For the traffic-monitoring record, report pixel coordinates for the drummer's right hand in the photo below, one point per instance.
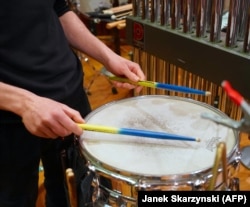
(46, 118)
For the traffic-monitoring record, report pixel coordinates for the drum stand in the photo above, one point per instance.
(243, 125)
(71, 186)
(245, 156)
(98, 73)
(221, 160)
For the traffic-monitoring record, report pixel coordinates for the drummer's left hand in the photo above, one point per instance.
(123, 67)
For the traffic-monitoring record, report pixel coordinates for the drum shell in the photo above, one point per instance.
(124, 186)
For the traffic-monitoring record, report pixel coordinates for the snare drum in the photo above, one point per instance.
(125, 164)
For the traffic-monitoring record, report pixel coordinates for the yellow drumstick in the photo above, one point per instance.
(136, 132)
(161, 86)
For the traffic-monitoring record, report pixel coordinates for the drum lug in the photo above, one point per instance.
(120, 202)
(238, 155)
(234, 184)
(91, 167)
(198, 184)
(103, 196)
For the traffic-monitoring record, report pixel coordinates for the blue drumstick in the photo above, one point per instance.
(136, 132)
(162, 86)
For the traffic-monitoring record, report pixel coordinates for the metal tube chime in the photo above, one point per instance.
(204, 19)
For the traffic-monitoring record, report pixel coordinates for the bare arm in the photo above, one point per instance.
(82, 39)
(47, 118)
(41, 116)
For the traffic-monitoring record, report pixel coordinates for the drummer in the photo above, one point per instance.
(42, 96)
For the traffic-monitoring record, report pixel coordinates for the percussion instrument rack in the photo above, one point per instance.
(189, 34)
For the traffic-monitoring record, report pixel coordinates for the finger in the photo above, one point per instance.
(62, 133)
(123, 85)
(65, 127)
(135, 73)
(46, 132)
(40, 130)
(128, 86)
(138, 89)
(73, 114)
(58, 126)
(140, 73)
(75, 129)
(131, 76)
(69, 121)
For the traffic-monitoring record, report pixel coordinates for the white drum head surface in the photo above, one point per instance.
(149, 156)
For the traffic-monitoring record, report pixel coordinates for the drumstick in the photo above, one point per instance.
(118, 9)
(114, 24)
(121, 26)
(136, 132)
(162, 86)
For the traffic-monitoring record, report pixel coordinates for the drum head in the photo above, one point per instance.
(154, 157)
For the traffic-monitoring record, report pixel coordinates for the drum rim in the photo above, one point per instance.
(205, 173)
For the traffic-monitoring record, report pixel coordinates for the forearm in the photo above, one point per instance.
(14, 99)
(41, 116)
(82, 39)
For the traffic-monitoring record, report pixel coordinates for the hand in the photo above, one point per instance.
(46, 118)
(123, 67)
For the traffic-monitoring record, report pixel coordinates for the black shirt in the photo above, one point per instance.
(34, 52)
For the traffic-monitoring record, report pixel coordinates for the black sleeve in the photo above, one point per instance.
(61, 7)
